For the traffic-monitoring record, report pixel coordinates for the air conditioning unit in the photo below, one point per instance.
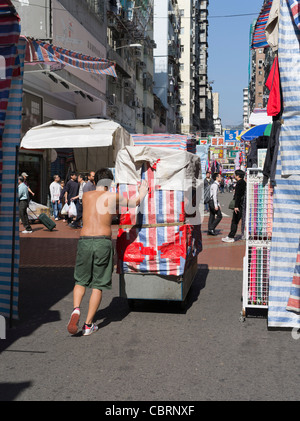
(133, 104)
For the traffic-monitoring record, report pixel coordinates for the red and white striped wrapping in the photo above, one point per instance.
(164, 249)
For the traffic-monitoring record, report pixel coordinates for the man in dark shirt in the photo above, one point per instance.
(239, 194)
(71, 191)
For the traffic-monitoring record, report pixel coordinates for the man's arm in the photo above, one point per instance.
(118, 201)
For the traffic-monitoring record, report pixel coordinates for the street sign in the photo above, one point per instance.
(231, 135)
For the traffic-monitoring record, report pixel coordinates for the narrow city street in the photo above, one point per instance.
(156, 352)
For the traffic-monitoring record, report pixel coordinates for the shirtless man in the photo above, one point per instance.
(95, 254)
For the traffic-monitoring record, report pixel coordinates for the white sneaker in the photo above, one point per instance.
(88, 330)
(27, 232)
(73, 322)
(56, 219)
(228, 240)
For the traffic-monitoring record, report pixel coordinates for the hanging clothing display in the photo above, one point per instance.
(272, 152)
(273, 84)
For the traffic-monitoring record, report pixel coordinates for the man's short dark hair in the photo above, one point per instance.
(104, 177)
(240, 173)
(21, 178)
(73, 173)
(215, 175)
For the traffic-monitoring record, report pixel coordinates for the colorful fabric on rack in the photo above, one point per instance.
(11, 139)
(289, 67)
(259, 37)
(42, 52)
(294, 298)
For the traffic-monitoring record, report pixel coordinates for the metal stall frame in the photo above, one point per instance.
(258, 229)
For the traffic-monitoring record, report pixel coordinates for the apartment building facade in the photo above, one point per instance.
(196, 111)
(64, 93)
(166, 60)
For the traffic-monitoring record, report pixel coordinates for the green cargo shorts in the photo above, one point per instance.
(94, 262)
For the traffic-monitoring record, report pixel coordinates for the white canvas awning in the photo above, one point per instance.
(95, 142)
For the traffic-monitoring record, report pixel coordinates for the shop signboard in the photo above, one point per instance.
(217, 141)
(230, 136)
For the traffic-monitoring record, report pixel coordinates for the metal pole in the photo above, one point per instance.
(12, 273)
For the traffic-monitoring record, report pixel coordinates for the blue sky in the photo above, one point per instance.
(228, 49)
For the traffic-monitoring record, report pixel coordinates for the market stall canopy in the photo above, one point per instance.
(259, 116)
(259, 36)
(256, 131)
(57, 58)
(95, 142)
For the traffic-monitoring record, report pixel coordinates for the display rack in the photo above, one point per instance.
(258, 230)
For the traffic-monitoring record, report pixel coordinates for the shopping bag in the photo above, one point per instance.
(231, 204)
(72, 210)
(65, 209)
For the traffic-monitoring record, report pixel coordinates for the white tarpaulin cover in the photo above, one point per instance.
(95, 142)
(174, 169)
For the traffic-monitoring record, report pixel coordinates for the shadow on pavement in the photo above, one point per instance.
(165, 306)
(39, 290)
(9, 391)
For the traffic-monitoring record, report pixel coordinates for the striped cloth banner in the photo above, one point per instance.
(289, 68)
(294, 6)
(284, 249)
(9, 36)
(164, 249)
(259, 37)
(166, 140)
(11, 139)
(286, 219)
(42, 52)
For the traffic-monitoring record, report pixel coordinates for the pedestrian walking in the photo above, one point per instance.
(23, 205)
(90, 185)
(55, 191)
(25, 176)
(207, 183)
(215, 214)
(239, 195)
(75, 224)
(94, 261)
(71, 191)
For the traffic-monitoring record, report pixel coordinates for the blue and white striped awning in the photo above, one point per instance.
(259, 37)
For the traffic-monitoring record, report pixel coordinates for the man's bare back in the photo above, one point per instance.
(99, 207)
(96, 216)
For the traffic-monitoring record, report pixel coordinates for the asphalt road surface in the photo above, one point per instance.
(157, 352)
